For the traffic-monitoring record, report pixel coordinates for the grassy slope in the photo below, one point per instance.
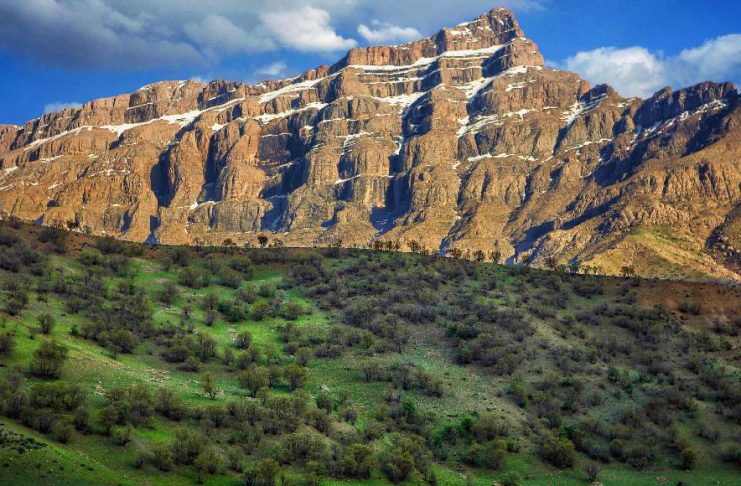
(95, 460)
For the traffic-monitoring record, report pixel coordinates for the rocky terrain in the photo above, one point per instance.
(464, 140)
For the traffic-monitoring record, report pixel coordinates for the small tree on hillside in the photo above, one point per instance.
(208, 385)
(296, 376)
(48, 359)
(46, 323)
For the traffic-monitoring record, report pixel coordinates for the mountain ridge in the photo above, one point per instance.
(462, 141)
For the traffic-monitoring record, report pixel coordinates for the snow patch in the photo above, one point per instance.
(291, 88)
(268, 117)
(426, 61)
(341, 181)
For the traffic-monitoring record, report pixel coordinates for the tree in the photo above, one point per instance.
(259, 310)
(296, 376)
(208, 385)
(48, 359)
(479, 255)
(628, 271)
(163, 457)
(262, 240)
(254, 378)
(124, 341)
(263, 473)
(592, 471)
(396, 464)
(62, 431)
(689, 459)
(357, 461)
(414, 246)
(7, 342)
(559, 451)
(574, 266)
(206, 347)
(292, 310)
(46, 323)
(244, 339)
(169, 293)
(371, 370)
(207, 462)
(511, 478)
(551, 262)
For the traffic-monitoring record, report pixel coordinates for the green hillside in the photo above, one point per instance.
(125, 364)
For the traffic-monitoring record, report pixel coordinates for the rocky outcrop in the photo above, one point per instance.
(462, 141)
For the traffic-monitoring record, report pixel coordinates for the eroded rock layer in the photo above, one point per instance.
(460, 141)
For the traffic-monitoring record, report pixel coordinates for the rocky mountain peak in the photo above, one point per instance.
(462, 141)
(496, 31)
(496, 28)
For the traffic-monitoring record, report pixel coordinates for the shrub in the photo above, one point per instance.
(259, 310)
(263, 473)
(511, 478)
(46, 323)
(163, 457)
(48, 359)
(559, 451)
(689, 459)
(121, 435)
(208, 385)
(254, 378)
(296, 376)
(244, 339)
(188, 445)
(62, 431)
(292, 311)
(7, 343)
(592, 471)
(207, 462)
(357, 461)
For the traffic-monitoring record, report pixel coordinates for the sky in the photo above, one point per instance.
(60, 53)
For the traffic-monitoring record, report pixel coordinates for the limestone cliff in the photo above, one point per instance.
(462, 141)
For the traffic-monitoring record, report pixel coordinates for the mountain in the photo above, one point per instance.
(462, 141)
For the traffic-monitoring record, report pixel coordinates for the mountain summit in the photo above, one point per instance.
(463, 141)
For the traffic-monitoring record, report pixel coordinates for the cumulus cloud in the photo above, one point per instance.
(87, 33)
(217, 34)
(273, 69)
(137, 34)
(636, 71)
(305, 29)
(386, 32)
(60, 105)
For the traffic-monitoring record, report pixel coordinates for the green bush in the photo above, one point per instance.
(559, 451)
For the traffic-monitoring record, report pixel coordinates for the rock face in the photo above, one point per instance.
(460, 141)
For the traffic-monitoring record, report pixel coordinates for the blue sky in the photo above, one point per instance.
(55, 53)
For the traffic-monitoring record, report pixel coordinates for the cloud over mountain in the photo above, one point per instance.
(637, 71)
(140, 34)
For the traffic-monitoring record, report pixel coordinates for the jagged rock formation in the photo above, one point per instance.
(463, 140)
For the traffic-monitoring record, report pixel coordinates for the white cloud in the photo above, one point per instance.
(219, 34)
(717, 59)
(633, 71)
(274, 69)
(636, 71)
(60, 105)
(305, 29)
(386, 32)
(141, 34)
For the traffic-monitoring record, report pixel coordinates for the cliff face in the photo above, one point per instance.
(463, 140)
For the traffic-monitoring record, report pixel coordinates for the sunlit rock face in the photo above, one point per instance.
(461, 141)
